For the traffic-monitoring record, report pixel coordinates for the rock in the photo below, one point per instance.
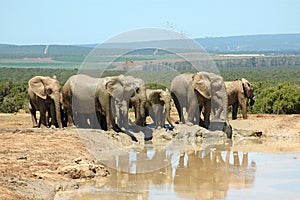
(83, 171)
(221, 126)
(248, 133)
(77, 160)
(167, 135)
(214, 134)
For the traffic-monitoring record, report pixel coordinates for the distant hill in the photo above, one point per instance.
(275, 43)
(8, 50)
(278, 43)
(252, 43)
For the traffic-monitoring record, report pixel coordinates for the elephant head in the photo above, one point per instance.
(120, 89)
(160, 102)
(47, 88)
(138, 98)
(211, 95)
(165, 96)
(248, 91)
(201, 84)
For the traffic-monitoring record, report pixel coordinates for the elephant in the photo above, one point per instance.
(113, 94)
(44, 96)
(199, 93)
(237, 93)
(78, 97)
(63, 115)
(158, 106)
(91, 100)
(137, 101)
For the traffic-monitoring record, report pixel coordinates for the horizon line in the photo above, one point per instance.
(94, 43)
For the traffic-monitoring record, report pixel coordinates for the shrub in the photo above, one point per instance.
(282, 98)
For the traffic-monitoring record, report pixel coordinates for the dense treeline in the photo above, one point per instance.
(229, 62)
(277, 89)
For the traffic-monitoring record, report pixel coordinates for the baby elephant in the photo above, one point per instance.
(158, 106)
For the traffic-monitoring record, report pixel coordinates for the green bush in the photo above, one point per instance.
(282, 98)
(13, 97)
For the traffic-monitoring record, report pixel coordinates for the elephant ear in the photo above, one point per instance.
(36, 84)
(244, 81)
(165, 95)
(109, 85)
(202, 86)
(246, 87)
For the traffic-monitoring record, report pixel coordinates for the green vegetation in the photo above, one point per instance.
(281, 98)
(277, 89)
(13, 96)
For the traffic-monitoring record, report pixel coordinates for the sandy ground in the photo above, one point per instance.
(37, 163)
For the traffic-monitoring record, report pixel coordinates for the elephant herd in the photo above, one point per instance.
(88, 102)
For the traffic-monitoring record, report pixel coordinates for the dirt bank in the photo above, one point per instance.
(36, 163)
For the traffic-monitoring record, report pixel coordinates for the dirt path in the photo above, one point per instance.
(36, 163)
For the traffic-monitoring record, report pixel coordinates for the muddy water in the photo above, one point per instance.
(199, 175)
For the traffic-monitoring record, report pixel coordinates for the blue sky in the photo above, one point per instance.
(94, 21)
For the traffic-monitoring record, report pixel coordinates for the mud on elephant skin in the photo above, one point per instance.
(199, 93)
(137, 101)
(158, 106)
(112, 92)
(78, 97)
(44, 96)
(238, 92)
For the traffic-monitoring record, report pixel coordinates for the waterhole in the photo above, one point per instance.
(211, 174)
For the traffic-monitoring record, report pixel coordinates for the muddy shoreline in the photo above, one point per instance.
(38, 163)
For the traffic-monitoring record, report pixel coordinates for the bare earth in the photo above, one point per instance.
(37, 163)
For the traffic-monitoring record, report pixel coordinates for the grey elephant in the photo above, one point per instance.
(137, 101)
(158, 106)
(78, 97)
(199, 93)
(44, 96)
(91, 100)
(237, 93)
(111, 93)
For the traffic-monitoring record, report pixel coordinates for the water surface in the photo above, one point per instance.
(200, 175)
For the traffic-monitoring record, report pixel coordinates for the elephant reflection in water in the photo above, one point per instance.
(210, 176)
(158, 165)
(197, 175)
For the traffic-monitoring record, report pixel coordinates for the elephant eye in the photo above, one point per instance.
(49, 91)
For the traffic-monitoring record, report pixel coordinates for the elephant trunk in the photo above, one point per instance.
(252, 101)
(143, 112)
(57, 109)
(168, 113)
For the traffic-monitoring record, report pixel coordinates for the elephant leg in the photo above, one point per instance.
(101, 120)
(33, 115)
(42, 122)
(193, 113)
(70, 119)
(162, 115)
(178, 108)
(81, 120)
(206, 114)
(159, 116)
(201, 121)
(109, 120)
(234, 110)
(52, 115)
(244, 110)
(94, 121)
